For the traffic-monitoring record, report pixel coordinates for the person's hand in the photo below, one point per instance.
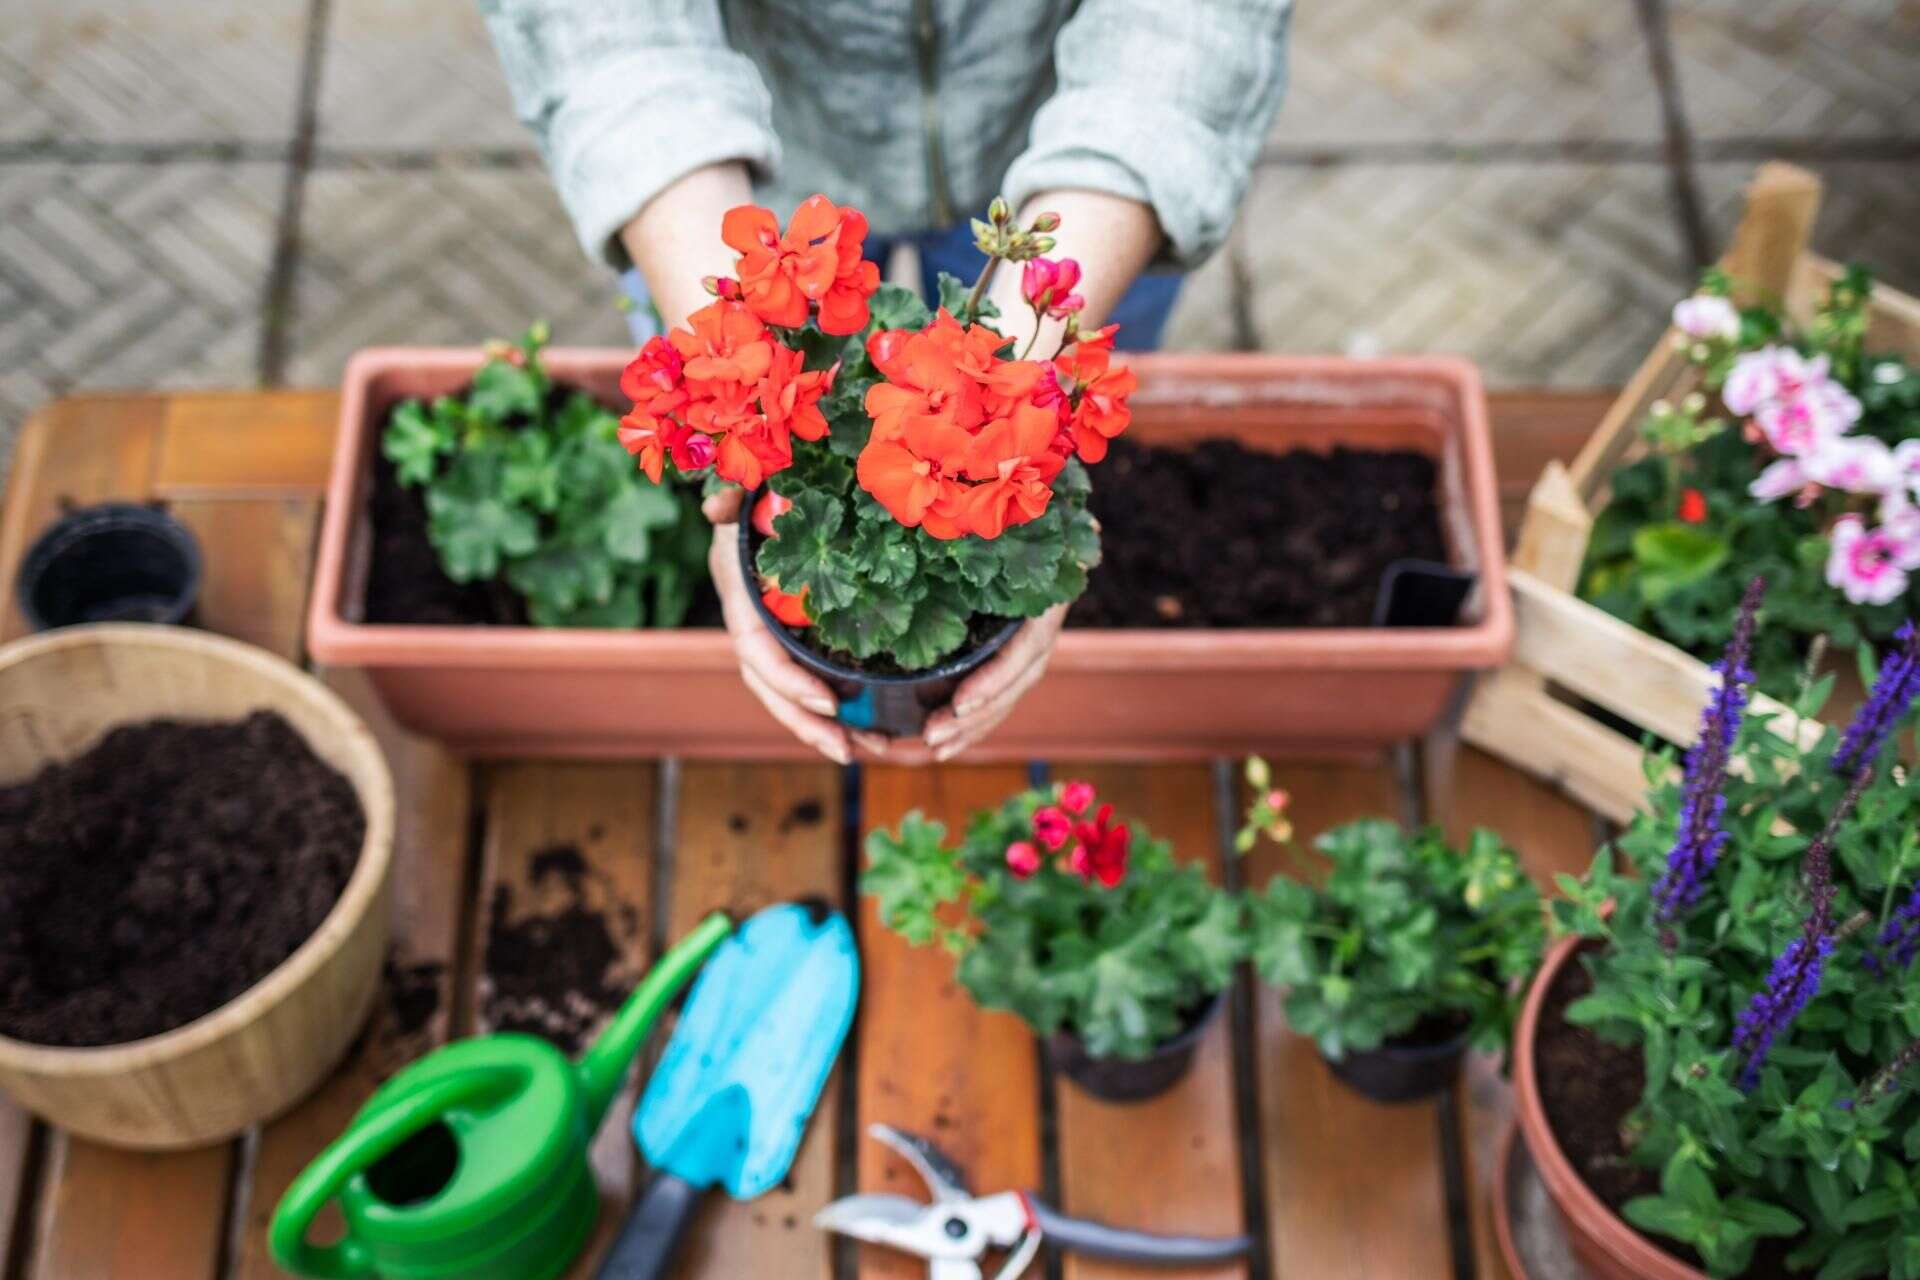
(986, 697)
(793, 695)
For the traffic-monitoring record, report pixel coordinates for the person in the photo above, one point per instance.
(1136, 121)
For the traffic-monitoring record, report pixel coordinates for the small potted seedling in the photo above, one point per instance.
(1398, 951)
(1087, 928)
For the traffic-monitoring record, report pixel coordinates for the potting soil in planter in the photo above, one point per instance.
(162, 873)
(406, 585)
(1588, 1086)
(1221, 535)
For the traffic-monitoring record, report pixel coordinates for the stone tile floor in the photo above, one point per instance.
(241, 192)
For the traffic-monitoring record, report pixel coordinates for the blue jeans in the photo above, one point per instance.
(1141, 312)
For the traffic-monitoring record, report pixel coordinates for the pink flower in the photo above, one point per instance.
(1102, 852)
(1707, 317)
(1051, 827)
(1906, 460)
(1782, 478)
(1900, 519)
(1855, 464)
(693, 451)
(1048, 286)
(1756, 377)
(1806, 422)
(770, 508)
(1076, 796)
(1022, 859)
(1866, 564)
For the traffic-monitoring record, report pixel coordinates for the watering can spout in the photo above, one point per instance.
(604, 1065)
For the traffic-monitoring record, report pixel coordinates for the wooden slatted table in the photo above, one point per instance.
(1258, 1137)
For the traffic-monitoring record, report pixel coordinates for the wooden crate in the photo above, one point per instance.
(1567, 651)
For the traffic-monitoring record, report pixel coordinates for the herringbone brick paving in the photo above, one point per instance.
(1516, 180)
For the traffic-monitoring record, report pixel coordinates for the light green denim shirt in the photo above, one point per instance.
(916, 111)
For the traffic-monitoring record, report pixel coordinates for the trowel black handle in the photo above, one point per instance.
(647, 1243)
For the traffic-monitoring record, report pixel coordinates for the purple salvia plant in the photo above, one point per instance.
(1701, 835)
(1899, 942)
(1893, 695)
(1795, 976)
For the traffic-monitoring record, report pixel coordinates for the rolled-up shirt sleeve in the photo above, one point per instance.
(1165, 103)
(625, 97)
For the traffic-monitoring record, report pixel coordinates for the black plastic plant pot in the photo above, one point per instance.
(116, 562)
(1408, 1070)
(1132, 1079)
(897, 705)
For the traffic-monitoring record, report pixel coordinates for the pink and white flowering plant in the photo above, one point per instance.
(1797, 460)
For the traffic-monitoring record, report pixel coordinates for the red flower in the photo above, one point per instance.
(1047, 286)
(1693, 506)
(1022, 859)
(1102, 852)
(1051, 827)
(1099, 392)
(790, 397)
(1076, 796)
(790, 609)
(770, 508)
(653, 379)
(817, 260)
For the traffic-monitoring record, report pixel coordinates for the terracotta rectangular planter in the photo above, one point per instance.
(1107, 694)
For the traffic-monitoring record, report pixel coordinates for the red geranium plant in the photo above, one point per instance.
(1064, 916)
(918, 473)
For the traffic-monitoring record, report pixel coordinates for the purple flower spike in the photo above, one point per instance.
(1701, 837)
(1893, 951)
(1893, 694)
(1794, 979)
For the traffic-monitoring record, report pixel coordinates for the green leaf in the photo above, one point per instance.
(910, 875)
(503, 391)
(620, 611)
(1216, 942)
(415, 441)
(936, 630)
(628, 521)
(894, 306)
(471, 527)
(1672, 556)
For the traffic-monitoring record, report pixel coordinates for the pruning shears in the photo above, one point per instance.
(955, 1232)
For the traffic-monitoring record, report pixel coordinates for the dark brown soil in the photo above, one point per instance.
(405, 583)
(557, 971)
(162, 873)
(1225, 536)
(1588, 1086)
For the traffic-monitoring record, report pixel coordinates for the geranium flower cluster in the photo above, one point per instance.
(1095, 847)
(1797, 408)
(729, 389)
(892, 436)
(967, 442)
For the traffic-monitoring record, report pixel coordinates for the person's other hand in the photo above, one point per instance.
(986, 697)
(793, 695)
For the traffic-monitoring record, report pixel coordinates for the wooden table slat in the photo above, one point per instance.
(416, 1011)
(1189, 1137)
(930, 1060)
(1355, 1191)
(228, 443)
(538, 815)
(1552, 834)
(749, 836)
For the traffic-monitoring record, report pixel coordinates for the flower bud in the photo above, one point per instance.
(1694, 403)
(1044, 244)
(999, 212)
(540, 333)
(1046, 222)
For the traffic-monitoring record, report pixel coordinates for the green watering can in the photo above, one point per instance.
(472, 1162)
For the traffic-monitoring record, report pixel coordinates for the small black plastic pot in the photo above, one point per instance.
(897, 705)
(116, 562)
(1134, 1079)
(1406, 1070)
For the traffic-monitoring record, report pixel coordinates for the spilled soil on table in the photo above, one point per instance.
(159, 875)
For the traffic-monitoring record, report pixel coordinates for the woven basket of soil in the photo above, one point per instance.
(195, 856)
(1189, 647)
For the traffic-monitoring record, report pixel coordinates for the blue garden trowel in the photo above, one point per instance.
(746, 1064)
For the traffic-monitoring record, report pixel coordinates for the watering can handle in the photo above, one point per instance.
(364, 1144)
